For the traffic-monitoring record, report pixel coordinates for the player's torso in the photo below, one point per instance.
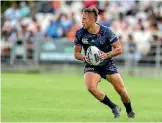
(98, 40)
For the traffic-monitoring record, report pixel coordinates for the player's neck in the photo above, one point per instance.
(94, 29)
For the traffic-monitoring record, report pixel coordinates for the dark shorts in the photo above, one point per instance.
(109, 68)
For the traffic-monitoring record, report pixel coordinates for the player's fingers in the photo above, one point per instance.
(102, 55)
(85, 57)
(87, 60)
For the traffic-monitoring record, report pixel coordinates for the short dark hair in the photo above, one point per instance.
(92, 10)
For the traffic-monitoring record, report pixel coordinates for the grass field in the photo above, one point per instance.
(54, 97)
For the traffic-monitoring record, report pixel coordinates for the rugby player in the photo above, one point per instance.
(94, 34)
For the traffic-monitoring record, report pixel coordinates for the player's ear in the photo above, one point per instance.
(92, 19)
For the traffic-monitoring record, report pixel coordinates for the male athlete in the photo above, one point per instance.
(94, 34)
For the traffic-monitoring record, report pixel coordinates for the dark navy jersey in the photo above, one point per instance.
(103, 40)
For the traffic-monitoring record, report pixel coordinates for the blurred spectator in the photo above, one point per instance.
(24, 9)
(103, 5)
(14, 36)
(139, 25)
(141, 19)
(33, 27)
(132, 45)
(142, 38)
(88, 3)
(54, 29)
(7, 25)
(132, 11)
(48, 9)
(56, 5)
(119, 24)
(32, 6)
(73, 19)
(142, 14)
(16, 24)
(39, 34)
(4, 35)
(51, 7)
(13, 13)
(72, 31)
(48, 31)
(19, 35)
(66, 23)
(69, 2)
(103, 20)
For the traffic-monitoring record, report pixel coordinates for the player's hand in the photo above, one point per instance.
(86, 59)
(104, 55)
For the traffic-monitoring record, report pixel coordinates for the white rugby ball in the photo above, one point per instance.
(93, 54)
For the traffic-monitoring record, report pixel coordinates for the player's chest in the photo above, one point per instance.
(94, 39)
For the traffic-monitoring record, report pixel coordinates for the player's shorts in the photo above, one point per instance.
(109, 68)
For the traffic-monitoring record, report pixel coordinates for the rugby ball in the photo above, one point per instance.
(93, 55)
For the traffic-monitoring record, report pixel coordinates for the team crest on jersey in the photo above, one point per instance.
(93, 40)
(85, 40)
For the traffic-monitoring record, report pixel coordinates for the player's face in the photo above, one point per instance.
(86, 21)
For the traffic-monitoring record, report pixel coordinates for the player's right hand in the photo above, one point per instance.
(86, 59)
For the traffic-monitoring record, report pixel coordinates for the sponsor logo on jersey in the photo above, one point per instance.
(89, 69)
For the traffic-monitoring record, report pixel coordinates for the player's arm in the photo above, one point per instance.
(77, 53)
(78, 49)
(113, 40)
(79, 56)
(117, 49)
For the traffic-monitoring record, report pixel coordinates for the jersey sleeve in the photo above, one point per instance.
(111, 37)
(77, 39)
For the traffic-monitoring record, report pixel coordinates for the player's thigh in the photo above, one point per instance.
(116, 80)
(91, 79)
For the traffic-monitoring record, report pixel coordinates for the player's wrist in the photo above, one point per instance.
(109, 54)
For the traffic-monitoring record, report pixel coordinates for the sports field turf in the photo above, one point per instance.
(54, 97)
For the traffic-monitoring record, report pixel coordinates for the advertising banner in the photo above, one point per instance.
(57, 50)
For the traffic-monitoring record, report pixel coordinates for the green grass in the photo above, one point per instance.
(54, 97)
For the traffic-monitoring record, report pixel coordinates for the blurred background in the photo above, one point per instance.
(37, 36)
